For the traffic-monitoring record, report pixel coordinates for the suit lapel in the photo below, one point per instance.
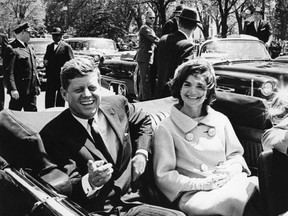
(82, 135)
(58, 47)
(112, 118)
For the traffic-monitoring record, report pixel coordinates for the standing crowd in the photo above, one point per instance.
(103, 143)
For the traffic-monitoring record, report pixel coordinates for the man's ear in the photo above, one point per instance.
(64, 94)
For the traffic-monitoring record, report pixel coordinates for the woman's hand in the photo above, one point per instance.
(214, 181)
(229, 169)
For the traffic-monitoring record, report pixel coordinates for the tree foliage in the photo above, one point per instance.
(281, 17)
(14, 12)
(116, 18)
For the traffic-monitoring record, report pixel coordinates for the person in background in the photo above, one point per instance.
(101, 142)
(247, 16)
(57, 53)
(22, 80)
(260, 28)
(3, 45)
(198, 159)
(174, 49)
(276, 137)
(171, 25)
(145, 56)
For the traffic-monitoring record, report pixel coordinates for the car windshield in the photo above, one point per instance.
(95, 45)
(39, 46)
(234, 50)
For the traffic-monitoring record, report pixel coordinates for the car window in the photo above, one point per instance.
(39, 46)
(101, 45)
(234, 50)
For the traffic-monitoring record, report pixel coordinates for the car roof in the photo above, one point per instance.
(241, 37)
(40, 39)
(86, 39)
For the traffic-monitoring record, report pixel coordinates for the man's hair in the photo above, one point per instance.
(75, 68)
(187, 24)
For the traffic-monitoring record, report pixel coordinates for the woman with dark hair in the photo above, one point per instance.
(198, 162)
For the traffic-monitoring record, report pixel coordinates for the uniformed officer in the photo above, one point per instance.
(21, 78)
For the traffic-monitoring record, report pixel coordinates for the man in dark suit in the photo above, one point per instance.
(3, 45)
(22, 80)
(57, 53)
(173, 49)
(102, 143)
(145, 57)
(171, 25)
(260, 28)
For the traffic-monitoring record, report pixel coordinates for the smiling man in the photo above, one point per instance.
(101, 142)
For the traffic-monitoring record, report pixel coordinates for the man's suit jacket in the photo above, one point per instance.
(21, 74)
(3, 45)
(263, 32)
(173, 49)
(147, 44)
(70, 145)
(56, 59)
(171, 26)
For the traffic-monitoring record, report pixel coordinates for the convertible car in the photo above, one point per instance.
(45, 189)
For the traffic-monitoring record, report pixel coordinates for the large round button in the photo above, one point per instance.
(189, 136)
(211, 132)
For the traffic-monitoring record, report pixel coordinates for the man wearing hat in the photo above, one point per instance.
(174, 49)
(57, 53)
(171, 25)
(260, 28)
(21, 77)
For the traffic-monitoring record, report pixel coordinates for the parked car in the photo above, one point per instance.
(115, 70)
(93, 46)
(243, 65)
(39, 45)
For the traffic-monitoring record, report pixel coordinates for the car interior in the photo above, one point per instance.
(21, 146)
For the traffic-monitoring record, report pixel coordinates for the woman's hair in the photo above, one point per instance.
(196, 68)
(77, 67)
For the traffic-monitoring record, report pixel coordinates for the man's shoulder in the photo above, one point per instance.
(113, 100)
(64, 43)
(58, 121)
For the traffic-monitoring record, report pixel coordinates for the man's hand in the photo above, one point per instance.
(138, 166)
(15, 94)
(99, 173)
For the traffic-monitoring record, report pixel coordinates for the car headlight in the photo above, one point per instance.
(267, 88)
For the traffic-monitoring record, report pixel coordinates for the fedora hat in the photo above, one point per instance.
(56, 31)
(178, 9)
(189, 14)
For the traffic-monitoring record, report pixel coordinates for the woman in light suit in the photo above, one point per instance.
(197, 156)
